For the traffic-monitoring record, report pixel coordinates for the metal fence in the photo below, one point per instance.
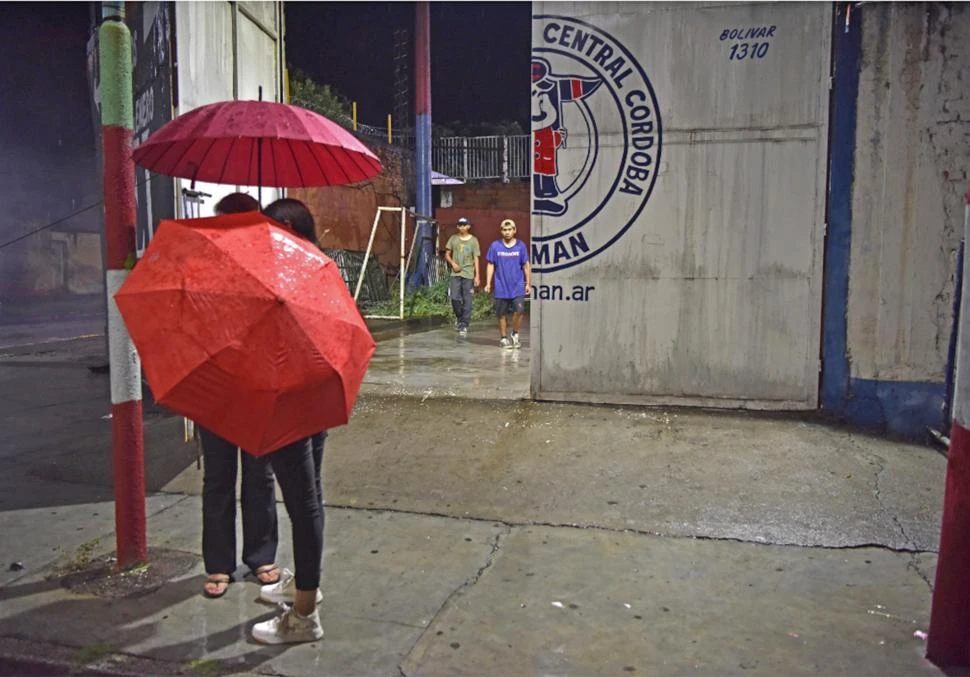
(463, 157)
(375, 287)
(481, 157)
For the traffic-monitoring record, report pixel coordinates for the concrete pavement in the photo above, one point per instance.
(473, 532)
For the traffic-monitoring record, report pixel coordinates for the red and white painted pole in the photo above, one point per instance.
(948, 643)
(117, 122)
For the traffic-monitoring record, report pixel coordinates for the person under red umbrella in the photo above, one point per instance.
(249, 330)
(257, 500)
(298, 470)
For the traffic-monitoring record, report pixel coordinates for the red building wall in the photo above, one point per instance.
(344, 215)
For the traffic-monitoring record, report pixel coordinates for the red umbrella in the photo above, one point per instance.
(246, 328)
(257, 143)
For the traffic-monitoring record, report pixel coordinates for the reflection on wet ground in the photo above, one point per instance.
(439, 363)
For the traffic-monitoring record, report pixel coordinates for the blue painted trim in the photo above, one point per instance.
(425, 233)
(903, 408)
(835, 289)
(951, 352)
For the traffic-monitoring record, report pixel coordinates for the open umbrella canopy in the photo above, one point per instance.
(257, 143)
(247, 329)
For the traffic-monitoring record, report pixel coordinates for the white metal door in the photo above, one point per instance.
(678, 201)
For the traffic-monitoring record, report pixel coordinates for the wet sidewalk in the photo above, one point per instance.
(488, 535)
(440, 363)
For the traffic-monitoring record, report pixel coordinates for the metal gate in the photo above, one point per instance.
(678, 202)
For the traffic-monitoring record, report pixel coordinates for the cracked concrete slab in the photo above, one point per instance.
(587, 602)
(681, 473)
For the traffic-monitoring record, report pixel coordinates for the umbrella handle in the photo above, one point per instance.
(259, 162)
(259, 166)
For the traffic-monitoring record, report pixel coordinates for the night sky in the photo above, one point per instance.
(479, 62)
(44, 100)
(47, 135)
(479, 55)
(479, 73)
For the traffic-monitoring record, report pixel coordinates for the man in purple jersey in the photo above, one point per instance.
(508, 265)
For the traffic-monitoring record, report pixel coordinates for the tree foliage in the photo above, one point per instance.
(322, 99)
(459, 128)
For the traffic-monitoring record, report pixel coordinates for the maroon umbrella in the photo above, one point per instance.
(257, 143)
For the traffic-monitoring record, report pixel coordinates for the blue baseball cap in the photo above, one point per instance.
(464, 222)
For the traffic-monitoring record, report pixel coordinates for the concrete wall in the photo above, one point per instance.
(51, 263)
(678, 227)
(84, 274)
(893, 187)
(909, 165)
(911, 160)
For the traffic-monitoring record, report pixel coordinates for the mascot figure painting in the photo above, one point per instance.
(549, 93)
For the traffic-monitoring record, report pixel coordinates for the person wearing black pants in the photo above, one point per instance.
(258, 506)
(257, 499)
(298, 469)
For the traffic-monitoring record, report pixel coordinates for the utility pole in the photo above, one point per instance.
(422, 128)
(402, 67)
(127, 434)
(948, 642)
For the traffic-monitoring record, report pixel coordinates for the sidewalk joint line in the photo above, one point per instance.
(636, 532)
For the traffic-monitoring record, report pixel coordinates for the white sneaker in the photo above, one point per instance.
(504, 343)
(289, 627)
(283, 591)
(515, 340)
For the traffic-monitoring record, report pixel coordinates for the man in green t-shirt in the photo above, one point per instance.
(462, 253)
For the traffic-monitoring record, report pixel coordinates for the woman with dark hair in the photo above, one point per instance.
(294, 214)
(297, 467)
(236, 203)
(257, 497)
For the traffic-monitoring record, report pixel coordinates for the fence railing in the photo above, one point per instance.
(465, 157)
(482, 157)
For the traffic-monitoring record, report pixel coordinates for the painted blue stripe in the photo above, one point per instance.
(902, 408)
(838, 241)
(424, 234)
(951, 352)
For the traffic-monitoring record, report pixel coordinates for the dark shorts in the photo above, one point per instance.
(509, 306)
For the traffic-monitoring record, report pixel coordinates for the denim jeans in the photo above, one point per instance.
(298, 467)
(257, 500)
(460, 293)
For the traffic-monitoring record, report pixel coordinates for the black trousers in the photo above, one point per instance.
(298, 469)
(257, 500)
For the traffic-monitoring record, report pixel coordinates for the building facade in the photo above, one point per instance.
(748, 205)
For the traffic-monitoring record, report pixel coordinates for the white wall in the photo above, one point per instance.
(713, 294)
(227, 51)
